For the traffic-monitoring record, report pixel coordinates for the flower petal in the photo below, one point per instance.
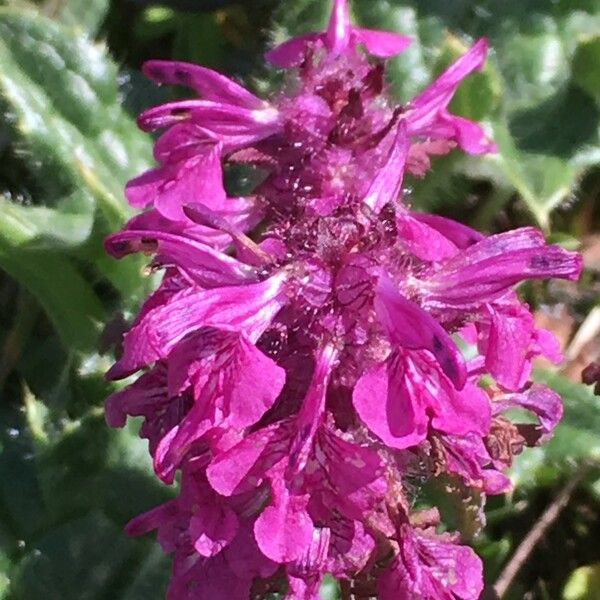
(381, 43)
(429, 567)
(485, 270)
(409, 326)
(212, 526)
(354, 473)
(508, 344)
(245, 466)
(198, 178)
(291, 52)
(337, 35)
(284, 530)
(311, 413)
(387, 184)
(182, 141)
(234, 385)
(437, 96)
(234, 126)
(398, 399)
(248, 308)
(387, 407)
(206, 266)
(428, 116)
(245, 558)
(459, 234)
(467, 456)
(208, 83)
(207, 579)
(539, 399)
(423, 241)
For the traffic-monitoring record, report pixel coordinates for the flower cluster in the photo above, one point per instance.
(298, 381)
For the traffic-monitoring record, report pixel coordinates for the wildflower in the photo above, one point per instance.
(300, 379)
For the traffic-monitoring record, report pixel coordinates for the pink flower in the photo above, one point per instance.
(428, 566)
(301, 359)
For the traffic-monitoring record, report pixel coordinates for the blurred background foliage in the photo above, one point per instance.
(70, 88)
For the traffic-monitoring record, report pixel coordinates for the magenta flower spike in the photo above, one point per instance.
(300, 365)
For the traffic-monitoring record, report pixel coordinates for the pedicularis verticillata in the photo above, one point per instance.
(302, 378)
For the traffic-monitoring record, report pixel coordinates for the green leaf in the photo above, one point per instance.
(149, 577)
(67, 489)
(86, 14)
(542, 181)
(300, 17)
(586, 70)
(22, 509)
(61, 91)
(330, 589)
(155, 22)
(88, 465)
(535, 68)
(494, 553)
(82, 559)
(560, 126)
(190, 28)
(66, 118)
(583, 584)
(67, 298)
(68, 224)
(4, 575)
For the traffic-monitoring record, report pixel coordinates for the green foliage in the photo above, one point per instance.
(87, 15)
(68, 482)
(67, 488)
(583, 584)
(585, 72)
(64, 118)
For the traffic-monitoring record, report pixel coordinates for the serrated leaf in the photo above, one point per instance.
(62, 91)
(85, 14)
